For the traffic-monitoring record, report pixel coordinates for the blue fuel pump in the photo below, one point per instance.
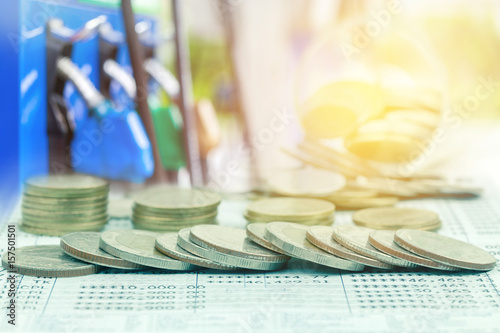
(110, 142)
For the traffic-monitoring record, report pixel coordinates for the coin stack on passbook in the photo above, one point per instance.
(307, 211)
(57, 204)
(262, 246)
(166, 208)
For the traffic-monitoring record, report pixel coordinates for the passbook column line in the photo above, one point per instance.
(48, 298)
(345, 292)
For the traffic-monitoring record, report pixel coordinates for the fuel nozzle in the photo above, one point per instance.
(115, 144)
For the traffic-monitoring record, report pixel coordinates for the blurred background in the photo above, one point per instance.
(237, 85)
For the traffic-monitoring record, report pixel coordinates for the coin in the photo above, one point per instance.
(64, 219)
(351, 194)
(72, 185)
(307, 182)
(291, 239)
(85, 246)
(445, 250)
(184, 242)
(395, 218)
(362, 203)
(230, 246)
(139, 247)
(293, 209)
(323, 221)
(62, 226)
(421, 117)
(56, 232)
(383, 147)
(321, 237)
(336, 109)
(64, 206)
(383, 240)
(47, 261)
(256, 231)
(413, 98)
(61, 214)
(163, 218)
(356, 239)
(395, 126)
(177, 200)
(57, 204)
(385, 186)
(167, 244)
(163, 229)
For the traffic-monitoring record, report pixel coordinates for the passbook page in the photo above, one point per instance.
(302, 297)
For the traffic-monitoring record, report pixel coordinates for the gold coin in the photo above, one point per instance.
(421, 117)
(338, 108)
(399, 127)
(383, 147)
(413, 98)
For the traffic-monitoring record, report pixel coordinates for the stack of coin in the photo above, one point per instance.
(57, 204)
(351, 247)
(392, 218)
(263, 247)
(170, 209)
(306, 211)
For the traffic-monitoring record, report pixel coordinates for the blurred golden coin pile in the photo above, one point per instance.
(383, 124)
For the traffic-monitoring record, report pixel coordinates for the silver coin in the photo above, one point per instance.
(47, 261)
(256, 231)
(69, 183)
(184, 242)
(176, 200)
(356, 239)
(68, 214)
(167, 217)
(291, 239)
(321, 236)
(65, 203)
(383, 240)
(289, 209)
(167, 244)
(230, 246)
(139, 247)
(394, 218)
(51, 231)
(445, 250)
(85, 246)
